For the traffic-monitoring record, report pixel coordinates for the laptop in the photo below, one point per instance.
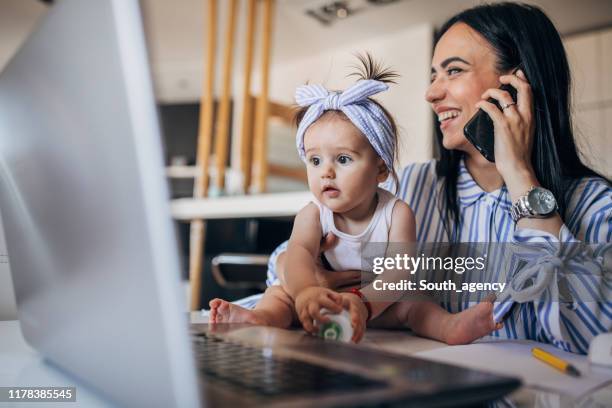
(85, 207)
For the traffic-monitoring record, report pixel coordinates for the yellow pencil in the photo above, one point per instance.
(555, 361)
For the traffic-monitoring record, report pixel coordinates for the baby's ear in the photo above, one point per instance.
(383, 171)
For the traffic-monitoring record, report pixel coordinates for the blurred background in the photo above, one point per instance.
(310, 41)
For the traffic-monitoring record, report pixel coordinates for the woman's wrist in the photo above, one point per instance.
(519, 181)
(518, 184)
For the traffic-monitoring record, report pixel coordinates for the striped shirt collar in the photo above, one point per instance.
(469, 192)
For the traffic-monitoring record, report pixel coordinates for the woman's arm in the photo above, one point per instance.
(514, 132)
(325, 278)
(565, 282)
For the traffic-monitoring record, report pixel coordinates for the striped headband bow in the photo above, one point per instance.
(366, 115)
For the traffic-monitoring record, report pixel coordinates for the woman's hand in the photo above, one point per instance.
(325, 278)
(310, 301)
(514, 131)
(334, 279)
(359, 314)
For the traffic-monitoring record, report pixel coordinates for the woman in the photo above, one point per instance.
(563, 295)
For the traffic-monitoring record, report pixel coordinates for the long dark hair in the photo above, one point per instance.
(523, 34)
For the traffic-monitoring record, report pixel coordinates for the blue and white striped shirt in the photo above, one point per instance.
(485, 217)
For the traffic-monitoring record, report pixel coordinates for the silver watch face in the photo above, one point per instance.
(541, 201)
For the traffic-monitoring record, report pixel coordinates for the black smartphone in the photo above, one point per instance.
(479, 129)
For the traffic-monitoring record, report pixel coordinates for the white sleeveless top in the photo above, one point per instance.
(346, 255)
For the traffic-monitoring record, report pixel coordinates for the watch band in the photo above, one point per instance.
(520, 209)
(523, 208)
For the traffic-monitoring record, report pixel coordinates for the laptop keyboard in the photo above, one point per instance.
(259, 371)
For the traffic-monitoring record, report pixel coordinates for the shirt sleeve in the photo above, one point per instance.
(565, 280)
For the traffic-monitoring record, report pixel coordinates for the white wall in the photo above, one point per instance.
(407, 51)
(590, 57)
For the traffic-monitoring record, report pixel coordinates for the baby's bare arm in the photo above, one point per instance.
(301, 283)
(302, 251)
(402, 231)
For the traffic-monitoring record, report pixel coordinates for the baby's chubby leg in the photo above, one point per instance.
(470, 324)
(428, 319)
(274, 309)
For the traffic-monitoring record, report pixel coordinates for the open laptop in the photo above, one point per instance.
(93, 254)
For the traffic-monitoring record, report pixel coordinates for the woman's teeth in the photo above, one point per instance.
(449, 114)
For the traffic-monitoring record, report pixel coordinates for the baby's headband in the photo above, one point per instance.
(365, 114)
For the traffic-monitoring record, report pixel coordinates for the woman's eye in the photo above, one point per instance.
(452, 71)
(315, 161)
(344, 159)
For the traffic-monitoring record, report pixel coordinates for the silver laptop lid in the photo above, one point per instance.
(85, 206)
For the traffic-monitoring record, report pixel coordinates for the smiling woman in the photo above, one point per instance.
(458, 82)
(476, 52)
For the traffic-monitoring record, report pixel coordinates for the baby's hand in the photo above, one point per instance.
(359, 314)
(310, 301)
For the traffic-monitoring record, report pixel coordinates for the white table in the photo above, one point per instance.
(20, 365)
(244, 206)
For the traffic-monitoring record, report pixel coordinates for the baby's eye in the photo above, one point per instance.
(315, 161)
(344, 159)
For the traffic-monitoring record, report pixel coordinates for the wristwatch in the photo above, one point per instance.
(538, 202)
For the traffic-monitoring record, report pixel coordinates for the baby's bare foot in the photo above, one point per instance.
(222, 311)
(471, 324)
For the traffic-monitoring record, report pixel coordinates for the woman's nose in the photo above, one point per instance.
(435, 92)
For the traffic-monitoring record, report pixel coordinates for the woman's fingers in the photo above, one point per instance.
(495, 114)
(336, 279)
(328, 242)
(523, 89)
(503, 98)
(345, 278)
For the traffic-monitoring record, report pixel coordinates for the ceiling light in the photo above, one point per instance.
(335, 10)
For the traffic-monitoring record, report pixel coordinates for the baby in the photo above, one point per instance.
(348, 141)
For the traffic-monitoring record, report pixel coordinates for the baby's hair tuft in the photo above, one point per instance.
(369, 68)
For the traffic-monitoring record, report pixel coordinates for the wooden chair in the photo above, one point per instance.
(253, 148)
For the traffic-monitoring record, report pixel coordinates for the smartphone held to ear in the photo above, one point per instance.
(479, 130)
